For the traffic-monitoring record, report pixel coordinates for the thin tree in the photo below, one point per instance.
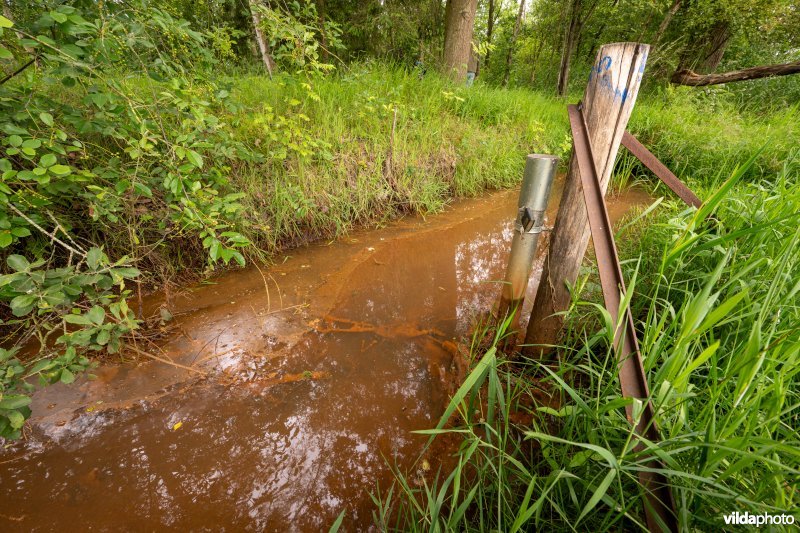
(578, 14)
(517, 26)
(459, 24)
(489, 30)
(676, 5)
(322, 37)
(263, 46)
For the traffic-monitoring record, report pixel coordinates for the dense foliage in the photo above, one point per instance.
(114, 154)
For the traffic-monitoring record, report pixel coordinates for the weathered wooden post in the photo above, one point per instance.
(607, 104)
(537, 180)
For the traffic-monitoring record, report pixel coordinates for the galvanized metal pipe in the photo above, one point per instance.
(533, 196)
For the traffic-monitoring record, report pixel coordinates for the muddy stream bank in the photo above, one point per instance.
(316, 371)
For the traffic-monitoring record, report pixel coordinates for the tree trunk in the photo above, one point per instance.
(705, 51)
(719, 38)
(489, 30)
(517, 26)
(688, 77)
(569, 45)
(579, 14)
(263, 46)
(535, 59)
(676, 5)
(459, 23)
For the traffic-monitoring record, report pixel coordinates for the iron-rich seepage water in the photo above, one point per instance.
(318, 369)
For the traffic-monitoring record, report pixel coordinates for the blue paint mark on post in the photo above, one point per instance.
(605, 81)
(603, 65)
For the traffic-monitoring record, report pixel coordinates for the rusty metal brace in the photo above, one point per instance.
(660, 170)
(659, 502)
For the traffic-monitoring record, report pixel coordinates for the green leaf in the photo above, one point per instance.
(80, 320)
(127, 272)
(143, 190)
(752, 358)
(599, 493)
(14, 401)
(5, 23)
(15, 140)
(47, 118)
(93, 257)
(44, 364)
(18, 263)
(239, 258)
(5, 54)
(67, 376)
(194, 158)
(5, 238)
(337, 523)
(22, 305)
(103, 337)
(96, 314)
(58, 17)
(60, 170)
(16, 419)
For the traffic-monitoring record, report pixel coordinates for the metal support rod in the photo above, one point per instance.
(537, 181)
(660, 170)
(659, 502)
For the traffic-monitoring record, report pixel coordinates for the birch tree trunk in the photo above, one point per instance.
(263, 46)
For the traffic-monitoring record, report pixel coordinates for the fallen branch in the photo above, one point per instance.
(18, 71)
(165, 361)
(52, 235)
(693, 79)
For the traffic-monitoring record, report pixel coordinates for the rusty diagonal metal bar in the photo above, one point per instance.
(659, 502)
(659, 169)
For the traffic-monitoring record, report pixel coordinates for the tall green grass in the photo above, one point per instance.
(715, 295)
(446, 141)
(695, 134)
(327, 167)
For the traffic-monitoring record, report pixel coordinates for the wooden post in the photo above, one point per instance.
(608, 101)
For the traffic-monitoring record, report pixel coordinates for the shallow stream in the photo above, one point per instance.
(315, 373)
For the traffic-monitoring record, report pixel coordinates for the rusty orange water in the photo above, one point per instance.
(317, 370)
